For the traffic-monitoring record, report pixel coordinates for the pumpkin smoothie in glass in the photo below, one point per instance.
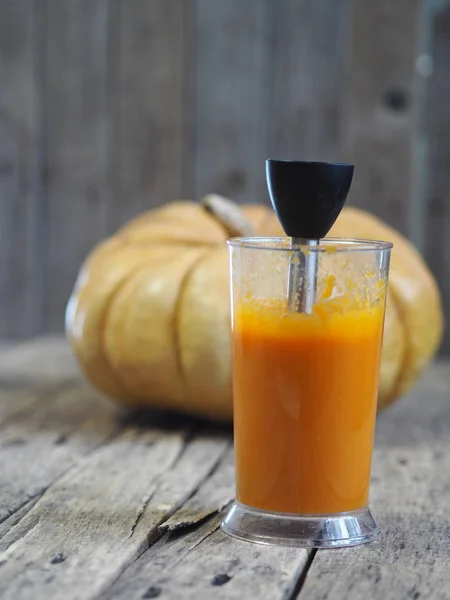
(305, 395)
(305, 391)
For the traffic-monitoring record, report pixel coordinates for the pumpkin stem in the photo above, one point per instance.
(228, 214)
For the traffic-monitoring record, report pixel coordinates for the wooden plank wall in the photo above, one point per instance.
(381, 107)
(108, 107)
(437, 117)
(22, 213)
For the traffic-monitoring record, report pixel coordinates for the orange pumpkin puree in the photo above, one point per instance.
(305, 396)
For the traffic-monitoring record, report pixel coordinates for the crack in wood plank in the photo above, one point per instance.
(211, 497)
(200, 531)
(16, 516)
(202, 562)
(294, 592)
(28, 469)
(410, 496)
(88, 519)
(133, 578)
(192, 494)
(219, 472)
(20, 531)
(213, 522)
(27, 501)
(176, 563)
(141, 511)
(187, 436)
(86, 513)
(9, 524)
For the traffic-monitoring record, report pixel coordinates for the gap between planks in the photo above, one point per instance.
(200, 561)
(410, 495)
(99, 518)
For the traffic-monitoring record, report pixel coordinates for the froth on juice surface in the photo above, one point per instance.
(305, 396)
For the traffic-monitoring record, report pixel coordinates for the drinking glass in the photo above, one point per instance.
(305, 388)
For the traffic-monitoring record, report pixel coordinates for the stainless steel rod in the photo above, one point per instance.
(302, 280)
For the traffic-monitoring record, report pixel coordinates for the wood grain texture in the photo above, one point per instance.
(98, 505)
(16, 517)
(217, 566)
(40, 442)
(30, 371)
(230, 71)
(77, 143)
(380, 119)
(146, 51)
(41, 360)
(307, 58)
(211, 497)
(437, 226)
(409, 496)
(110, 107)
(202, 562)
(20, 139)
(100, 524)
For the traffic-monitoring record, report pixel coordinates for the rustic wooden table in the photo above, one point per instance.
(95, 503)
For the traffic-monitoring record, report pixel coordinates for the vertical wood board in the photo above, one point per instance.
(76, 129)
(380, 121)
(307, 53)
(20, 98)
(228, 131)
(437, 226)
(146, 50)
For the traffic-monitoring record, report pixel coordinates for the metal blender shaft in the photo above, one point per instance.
(302, 281)
(307, 198)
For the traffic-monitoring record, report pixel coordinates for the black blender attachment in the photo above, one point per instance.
(307, 198)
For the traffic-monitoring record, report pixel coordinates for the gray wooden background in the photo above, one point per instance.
(108, 107)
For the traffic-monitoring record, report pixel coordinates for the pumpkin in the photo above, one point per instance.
(149, 316)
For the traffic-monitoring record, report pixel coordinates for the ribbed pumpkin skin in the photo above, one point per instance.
(149, 317)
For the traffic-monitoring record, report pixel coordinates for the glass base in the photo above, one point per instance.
(300, 531)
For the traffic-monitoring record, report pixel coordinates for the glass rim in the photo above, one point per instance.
(342, 244)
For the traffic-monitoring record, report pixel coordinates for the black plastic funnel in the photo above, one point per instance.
(307, 198)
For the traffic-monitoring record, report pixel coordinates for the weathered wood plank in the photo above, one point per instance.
(437, 226)
(380, 117)
(41, 441)
(410, 495)
(213, 495)
(14, 519)
(100, 516)
(15, 399)
(41, 360)
(20, 169)
(77, 143)
(307, 59)
(230, 78)
(217, 566)
(202, 562)
(99, 508)
(30, 371)
(147, 106)
(138, 580)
